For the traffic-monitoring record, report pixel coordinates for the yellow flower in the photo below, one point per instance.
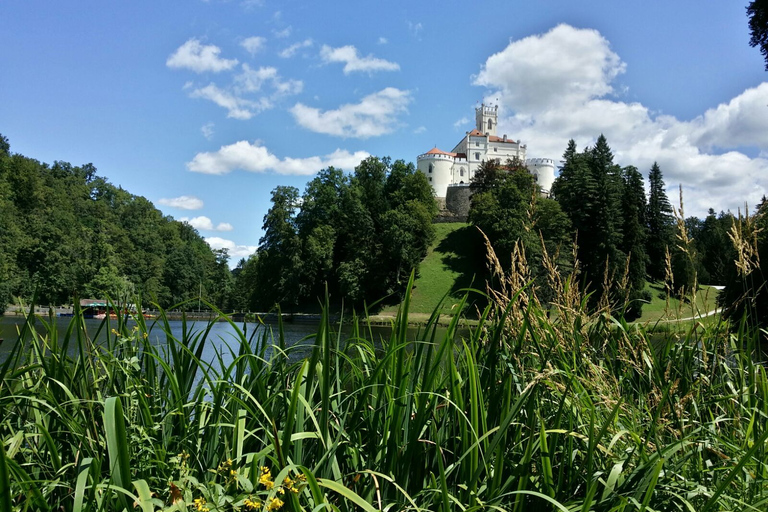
(251, 504)
(146, 335)
(275, 503)
(266, 478)
(200, 505)
(114, 331)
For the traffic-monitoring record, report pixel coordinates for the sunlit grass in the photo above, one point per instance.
(526, 412)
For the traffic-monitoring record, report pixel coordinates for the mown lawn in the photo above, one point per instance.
(661, 309)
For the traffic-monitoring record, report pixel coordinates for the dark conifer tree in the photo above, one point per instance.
(660, 224)
(634, 235)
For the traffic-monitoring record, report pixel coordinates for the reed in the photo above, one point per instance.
(534, 408)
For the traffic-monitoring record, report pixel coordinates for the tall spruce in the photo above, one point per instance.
(589, 190)
(634, 207)
(660, 224)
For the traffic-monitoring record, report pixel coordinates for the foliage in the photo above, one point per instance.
(506, 206)
(757, 11)
(67, 231)
(530, 410)
(660, 224)
(359, 235)
(745, 295)
(591, 190)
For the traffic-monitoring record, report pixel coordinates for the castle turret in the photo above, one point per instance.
(486, 118)
(543, 169)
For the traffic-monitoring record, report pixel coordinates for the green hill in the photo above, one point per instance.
(451, 265)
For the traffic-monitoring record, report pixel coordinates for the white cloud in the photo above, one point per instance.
(383, 40)
(199, 58)
(264, 80)
(461, 122)
(257, 158)
(252, 80)
(204, 223)
(420, 129)
(282, 34)
(253, 45)
(415, 29)
(560, 85)
(375, 115)
(182, 202)
(291, 50)
(237, 107)
(235, 251)
(207, 130)
(353, 62)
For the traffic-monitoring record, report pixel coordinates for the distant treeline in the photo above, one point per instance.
(66, 231)
(360, 234)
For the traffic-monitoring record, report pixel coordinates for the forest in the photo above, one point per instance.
(67, 232)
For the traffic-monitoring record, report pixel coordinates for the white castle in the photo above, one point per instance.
(457, 168)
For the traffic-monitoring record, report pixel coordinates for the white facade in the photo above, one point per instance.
(458, 167)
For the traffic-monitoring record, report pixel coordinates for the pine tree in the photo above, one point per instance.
(660, 224)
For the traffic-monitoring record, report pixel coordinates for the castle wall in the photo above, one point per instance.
(457, 201)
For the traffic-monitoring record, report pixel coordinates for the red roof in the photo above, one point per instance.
(435, 151)
(491, 138)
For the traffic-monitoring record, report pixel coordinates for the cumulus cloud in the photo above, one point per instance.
(291, 50)
(254, 157)
(253, 45)
(354, 62)
(204, 223)
(199, 58)
(420, 129)
(182, 202)
(562, 84)
(235, 251)
(375, 115)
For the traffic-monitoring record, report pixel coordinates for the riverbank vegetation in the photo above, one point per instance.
(558, 408)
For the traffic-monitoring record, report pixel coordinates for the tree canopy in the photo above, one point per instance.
(757, 11)
(67, 231)
(359, 234)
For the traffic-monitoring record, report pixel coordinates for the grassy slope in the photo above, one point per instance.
(457, 256)
(658, 309)
(450, 265)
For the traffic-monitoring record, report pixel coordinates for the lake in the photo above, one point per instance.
(221, 334)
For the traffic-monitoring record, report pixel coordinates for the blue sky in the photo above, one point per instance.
(210, 105)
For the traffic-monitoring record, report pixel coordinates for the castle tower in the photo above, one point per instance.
(486, 118)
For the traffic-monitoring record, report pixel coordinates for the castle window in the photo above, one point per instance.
(430, 169)
(477, 156)
(490, 124)
(477, 143)
(430, 178)
(495, 150)
(462, 172)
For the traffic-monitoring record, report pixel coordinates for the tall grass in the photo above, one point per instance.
(535, 408)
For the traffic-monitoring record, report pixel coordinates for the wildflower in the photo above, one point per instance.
(290, 484)
(114, 331)
(251, 504)
(275, 503)
(146, 335)
(199, 504)
(266, 478)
